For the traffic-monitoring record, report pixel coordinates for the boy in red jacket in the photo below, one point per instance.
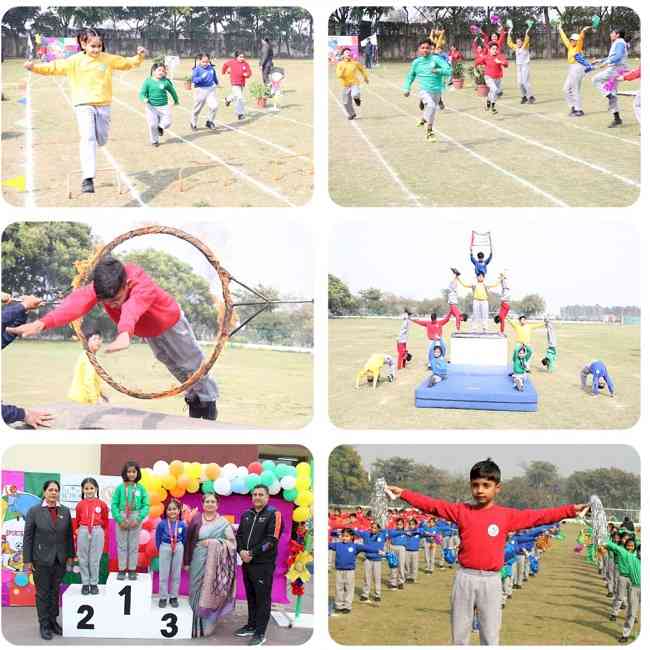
(139, 307)
(483, 527)
(494, 63)
(239, 71)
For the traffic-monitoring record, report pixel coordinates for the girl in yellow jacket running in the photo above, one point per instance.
(86, 384)
(91, 91)
(349, 73)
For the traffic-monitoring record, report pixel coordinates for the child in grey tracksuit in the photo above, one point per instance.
(522, 59)
(170, 542)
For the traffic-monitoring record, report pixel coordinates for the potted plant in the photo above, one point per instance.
(458, 75)
(259, 91)
(188, 82)
(479, 82)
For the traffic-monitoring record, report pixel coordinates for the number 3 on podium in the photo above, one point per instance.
(172, 629)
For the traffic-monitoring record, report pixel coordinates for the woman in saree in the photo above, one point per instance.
(210, 557)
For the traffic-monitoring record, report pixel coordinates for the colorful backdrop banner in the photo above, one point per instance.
(335, 45)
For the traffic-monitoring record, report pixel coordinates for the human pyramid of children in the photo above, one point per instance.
(494, 549)
(433, 67)
(90, 75)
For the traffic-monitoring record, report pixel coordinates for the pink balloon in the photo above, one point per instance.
(144, 538)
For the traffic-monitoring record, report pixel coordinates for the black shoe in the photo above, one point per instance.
(133, 575)
(441, 105)
(121, 575)
(161, 131)
(516, 586)
(351, 117)
(531, 100)
(173, 602)
(210, 125)
(579, 114)
(609, 594)
(87, 186)
(494, 109)
(421, 104)
(401, 586)
(246, 630)
(524, 100)
(363, 599)
(572, 112)
(193, 127)
(94, 590)
(623, 639)
(617, 122)
(377, 599)
(85, 590)
(209, 411)
(612, 617)
(346, 611)
(357, 101)
(46, 633)
(162, 603)
(488, 106)
(55, 628)
(258, 639)
(240, 118)
(156, 144)
(227, 102)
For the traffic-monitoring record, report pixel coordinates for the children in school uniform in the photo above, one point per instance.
(90, 75)
(414, 538)
(205, 83)
(240, 71)
(91, 529)
(429, 532)
(170, 542)
(628, 561)
(130, 507)
(521, 48)
(483, 527)
(397, 539)
(374, 539)
(154, 93)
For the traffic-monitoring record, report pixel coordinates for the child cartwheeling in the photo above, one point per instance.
(350, 72)
(550, 358)
(154, 95)
(130, 507)
(86, 386)
(494, 63)
(521, 49)
(452, 299)
(504, 308)
(91, 526)
(205, 83)
(170, 541)
(431, 72)
(483, 526)
(90, 75)
(239, 71)
(403, 355)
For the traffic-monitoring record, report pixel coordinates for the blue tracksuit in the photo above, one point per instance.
(480, 267)
(204, 77)
(598, 369)
(398, 537)
(13, 315)
(413, 537)
(346, 554)
(438, 365)
(375, 542)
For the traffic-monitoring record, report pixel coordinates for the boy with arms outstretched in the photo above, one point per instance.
(483, 526)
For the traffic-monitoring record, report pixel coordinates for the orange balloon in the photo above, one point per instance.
(182, 482)
(212, 471)
(154, 498)
(176, 468)
(156, 510)
(169, 482)
(177, 493)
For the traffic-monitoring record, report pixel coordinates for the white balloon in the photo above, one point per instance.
(288, 482)
(242, 472)
(160, 468)
(275, 488)
(222, 487)
(229, 470)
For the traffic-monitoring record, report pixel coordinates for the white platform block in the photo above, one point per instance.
(127, 612)
(479, 349)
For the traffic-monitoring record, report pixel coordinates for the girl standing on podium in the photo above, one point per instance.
(170, 542)
(130, 507)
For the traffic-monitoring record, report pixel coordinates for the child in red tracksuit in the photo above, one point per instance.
(239, 71)
(91, 534)
(494, 63)
(434, 331)
(483, 527)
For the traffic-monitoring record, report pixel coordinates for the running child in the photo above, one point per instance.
(614, 66)
(154, 95)
(480, 303)
(139, 307)
(205, 83)
(575, 45)
(452, 299)
(130, 507)
(600, 379)
(170, 542)
(434, 328)
(91, 528)
(350, 72)
(497, 38)
(521, 49)
(86, 386)
(239, 71)
(431, 72)
(494, 63)
(403, 355)
(483, 527)
(550, 358)
(90, 74)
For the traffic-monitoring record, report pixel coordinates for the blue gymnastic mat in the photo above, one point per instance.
(486, 388)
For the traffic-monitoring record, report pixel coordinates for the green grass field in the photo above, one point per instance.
(562, 405)
(565, 604)
(258, 387)
(266, 160)
(524, 156)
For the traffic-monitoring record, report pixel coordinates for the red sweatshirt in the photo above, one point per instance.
(632, 74)
(501, 40)
(493, 64)
(147, 311)
(90, 513)
(483, 531)
(434, 328)
(239, 71)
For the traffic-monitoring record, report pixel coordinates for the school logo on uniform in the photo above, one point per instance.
(493, 530)
(98, 509)
(350, 549)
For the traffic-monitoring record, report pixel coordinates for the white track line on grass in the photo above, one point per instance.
(483, 159)
(382, 160)
(233, 170)
(30, 202)
(541, 145)
(275, 116)
(135, 195)
(241, 131)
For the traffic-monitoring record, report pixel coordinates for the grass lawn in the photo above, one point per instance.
(258, 387)
(531, 155)
(565, 604)
(562, 405)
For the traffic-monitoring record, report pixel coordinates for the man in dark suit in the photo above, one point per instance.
(47, 548)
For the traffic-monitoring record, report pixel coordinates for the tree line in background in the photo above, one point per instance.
(288, 28)
(394, 24)
(540, 485)
(38, 258)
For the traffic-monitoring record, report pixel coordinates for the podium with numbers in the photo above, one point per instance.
(124, 609)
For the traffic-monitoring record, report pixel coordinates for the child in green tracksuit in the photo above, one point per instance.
(550, 357)
(520, 358)
(154, 94)
(628, 563)
(431, 72)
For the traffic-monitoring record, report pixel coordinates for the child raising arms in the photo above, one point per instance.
(90, 75)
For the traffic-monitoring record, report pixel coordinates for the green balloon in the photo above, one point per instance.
(267, 478)
(292, 471)
(252, 481)
(281, 469)
(268, 465)
(207, 486)
(155, 564)
(290, 495)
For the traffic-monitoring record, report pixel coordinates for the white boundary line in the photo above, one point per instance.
(239, 131)
(382, 160)
(275, 116)
(545, 147)
(30, 201)
(135, 195)
(518, 179)
(233, 170)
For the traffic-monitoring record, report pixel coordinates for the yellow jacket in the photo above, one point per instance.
(86, 384)
(480, 289)
(572, 50)
(347, 73)
(90, 77)
(513, 46)
(524, 332)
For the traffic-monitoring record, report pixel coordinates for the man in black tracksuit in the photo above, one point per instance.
(257, 544)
